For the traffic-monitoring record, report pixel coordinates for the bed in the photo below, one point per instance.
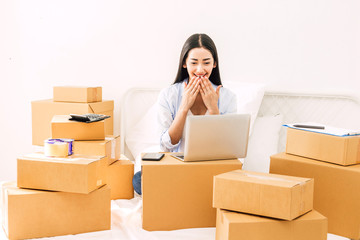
(272, 108)
(269, 109)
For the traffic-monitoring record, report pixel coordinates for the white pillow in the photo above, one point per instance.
(249, 98)
(143, 134)
(263, 143)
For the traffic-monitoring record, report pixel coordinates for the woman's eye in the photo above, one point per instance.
(207, 63)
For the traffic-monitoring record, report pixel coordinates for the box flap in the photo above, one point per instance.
(95, 107)
(13, 189)
(60, 118)
(104, 106)
(293, 158)
(73, 86)
(263, 178)
(64, 105)
(72, 159)
(123, 157)
(169, 160)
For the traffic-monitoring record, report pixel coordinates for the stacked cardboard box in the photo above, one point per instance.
(30, 213)
(178, 195)
(333, 162)
(119, 178)
(68, 100)
(253, 205)
(109, 147)
(334, 149)
(233, 225)
(62, 127)
(67, 195)
(119, 169)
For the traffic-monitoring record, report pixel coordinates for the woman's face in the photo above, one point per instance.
(199, 62)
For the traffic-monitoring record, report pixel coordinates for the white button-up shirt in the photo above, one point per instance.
(168, 104)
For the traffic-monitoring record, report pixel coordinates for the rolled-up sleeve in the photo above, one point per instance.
(166, 115)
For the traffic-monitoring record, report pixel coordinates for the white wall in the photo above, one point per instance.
(307, 44)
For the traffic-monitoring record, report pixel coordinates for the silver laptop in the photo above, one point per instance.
(214, 137)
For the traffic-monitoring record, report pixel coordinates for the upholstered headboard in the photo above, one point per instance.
(340, 110)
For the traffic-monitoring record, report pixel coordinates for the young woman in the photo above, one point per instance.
(197, 90)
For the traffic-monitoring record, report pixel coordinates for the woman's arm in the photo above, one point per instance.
(190, 92)
(171, 125)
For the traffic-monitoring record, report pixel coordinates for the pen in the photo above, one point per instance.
(308, 126)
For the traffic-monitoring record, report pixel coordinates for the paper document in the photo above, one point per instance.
(341, 132)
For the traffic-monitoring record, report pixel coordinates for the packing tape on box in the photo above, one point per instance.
(270, 178)
(113, 146)
(4, 207)
(73, 158)
(58, 147)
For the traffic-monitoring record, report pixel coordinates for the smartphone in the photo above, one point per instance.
(152, 156)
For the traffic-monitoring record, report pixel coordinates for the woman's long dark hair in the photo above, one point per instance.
(198, 41)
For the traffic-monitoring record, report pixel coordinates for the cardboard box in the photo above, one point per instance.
(178, 194)
(336, 194)
(119, 178)
(264, 194)
(233, 226)
(75, 173)
(34, 214)
(110, 147)
(324, 147)
(77, 94)
(44, 110)
(62, 127)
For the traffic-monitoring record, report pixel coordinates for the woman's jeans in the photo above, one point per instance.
(137, 182)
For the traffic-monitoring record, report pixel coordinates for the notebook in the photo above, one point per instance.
(326, 129)
(215, 137)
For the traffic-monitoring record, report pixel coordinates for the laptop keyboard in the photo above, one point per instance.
(178, 156)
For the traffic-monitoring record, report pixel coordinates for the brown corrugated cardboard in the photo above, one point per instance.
(109, 147)
(119, 178)
(234, 226)
(77, 94)
(264, 194)
(44, 110)
(178, 194)
(324, 147)
(75, 173)
(336, 194)
(34, 214)
(62, 127)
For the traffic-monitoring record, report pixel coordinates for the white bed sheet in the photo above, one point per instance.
(126, 225)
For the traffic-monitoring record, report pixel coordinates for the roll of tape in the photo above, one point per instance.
(58, 147)
(70, 142)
